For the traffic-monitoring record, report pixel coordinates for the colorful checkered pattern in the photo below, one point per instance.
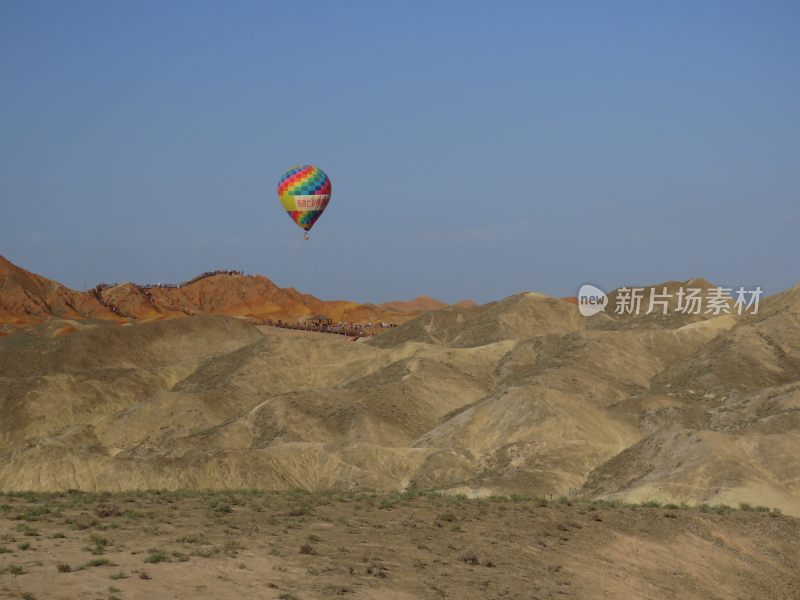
(304, 186)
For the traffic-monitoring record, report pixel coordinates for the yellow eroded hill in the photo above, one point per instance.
(518, 396)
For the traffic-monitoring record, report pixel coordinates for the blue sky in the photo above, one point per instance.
(476, 149)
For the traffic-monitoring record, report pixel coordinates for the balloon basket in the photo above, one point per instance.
(305, 236)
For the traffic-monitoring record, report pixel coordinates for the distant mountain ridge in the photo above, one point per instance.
(29, 299)
(422, 304)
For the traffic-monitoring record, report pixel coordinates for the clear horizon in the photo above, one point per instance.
(474, 151)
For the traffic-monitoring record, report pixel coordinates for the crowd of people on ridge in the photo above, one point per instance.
(145, 286)
(350, 329)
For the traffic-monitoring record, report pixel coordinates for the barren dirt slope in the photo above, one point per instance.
(279, 546)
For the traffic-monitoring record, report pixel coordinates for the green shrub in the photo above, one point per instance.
(155, 556)
(98, 562)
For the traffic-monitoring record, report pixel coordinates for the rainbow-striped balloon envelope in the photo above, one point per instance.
(304, 192)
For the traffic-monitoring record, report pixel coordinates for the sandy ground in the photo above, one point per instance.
(297, 545)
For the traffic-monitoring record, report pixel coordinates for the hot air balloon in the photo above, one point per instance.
(304, 192)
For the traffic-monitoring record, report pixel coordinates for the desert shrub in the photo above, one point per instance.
(206, 552)
(180, 557)
(104, 512)
(98, 544)
(299, 511)
(155, 556)
(337, 590)
(98, 562)
(26, 529)
(376, 570)
(82, 523)
(231, 547)
(448, 517)
(307, 549)
(33, 513)
(192, 539)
